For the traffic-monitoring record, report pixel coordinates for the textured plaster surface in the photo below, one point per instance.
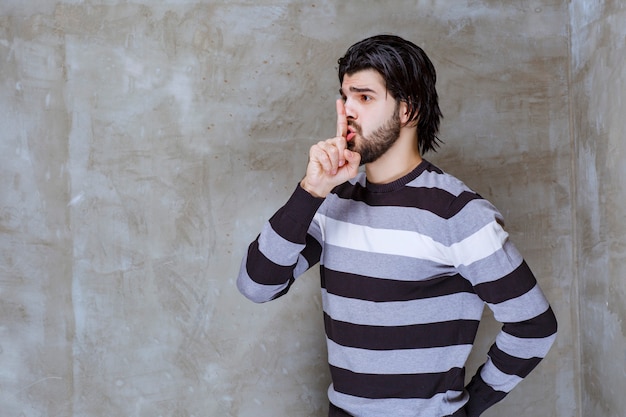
(145, 143)
(599, 89)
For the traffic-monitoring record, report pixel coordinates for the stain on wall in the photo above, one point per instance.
(144, 145)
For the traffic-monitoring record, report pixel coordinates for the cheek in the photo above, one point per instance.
(370, 126)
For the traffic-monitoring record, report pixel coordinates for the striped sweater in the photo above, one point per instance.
(406, 269)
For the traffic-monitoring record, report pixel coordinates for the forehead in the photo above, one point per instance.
(368, 79)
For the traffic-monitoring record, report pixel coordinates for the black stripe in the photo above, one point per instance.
(512, 365)
(511, 286)
(482, 396)
(461, 201)
(415, 336)
(381, 290)
(432, 168)
(312, 251)
(396, 386)
(263, 271)
(435, 200)
(334, 411)
(292, 220)
(543, 325)
(284, 290)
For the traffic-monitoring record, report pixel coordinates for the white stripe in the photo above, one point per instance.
(404, 361)
(385, 241)
(479, 245)
(402, 313)
(524, 307)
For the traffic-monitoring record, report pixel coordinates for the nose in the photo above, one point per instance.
(350, 109)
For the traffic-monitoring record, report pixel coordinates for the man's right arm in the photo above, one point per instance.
(283, 250)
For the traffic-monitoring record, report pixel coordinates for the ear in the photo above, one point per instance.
(403, 112)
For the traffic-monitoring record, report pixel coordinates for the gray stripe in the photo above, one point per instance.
(524, 348)
(382, 265)
(278, 249)
(253, 291)
(473, 217)
(431, 179)
(497, 379)
(301, 267)
(385, 217)
(493, 267)
(405, 361)
(522, 308)
(439, 405)
(403, 313)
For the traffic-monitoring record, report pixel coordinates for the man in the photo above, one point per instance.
(408, 254)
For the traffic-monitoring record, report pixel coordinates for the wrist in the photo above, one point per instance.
(311, 190)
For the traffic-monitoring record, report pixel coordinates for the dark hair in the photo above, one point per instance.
(409, 76)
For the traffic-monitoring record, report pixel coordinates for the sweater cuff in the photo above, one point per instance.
(294, 218)
(481, 396)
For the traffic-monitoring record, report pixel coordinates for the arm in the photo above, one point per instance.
(502, 279)
(285, 248)
(528, 332)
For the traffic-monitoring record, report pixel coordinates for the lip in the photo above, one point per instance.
(351, 133)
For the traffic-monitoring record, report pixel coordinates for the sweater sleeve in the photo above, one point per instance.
(282, 251)
(484, 255)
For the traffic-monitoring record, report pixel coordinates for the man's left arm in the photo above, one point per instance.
(504, 281)
(528, 331)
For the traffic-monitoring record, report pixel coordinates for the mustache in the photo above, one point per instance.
(355, 126)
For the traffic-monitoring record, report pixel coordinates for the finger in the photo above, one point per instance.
(353, 158)
(326, 155)
(334, 152)
(339, 144)
(342, 119)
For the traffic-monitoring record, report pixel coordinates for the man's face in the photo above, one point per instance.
(373, 115)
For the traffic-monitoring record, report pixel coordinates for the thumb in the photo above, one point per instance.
(353, 160)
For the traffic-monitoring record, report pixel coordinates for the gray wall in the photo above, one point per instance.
(598, 89)
(144, 144)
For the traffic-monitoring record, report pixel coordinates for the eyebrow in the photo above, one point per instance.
(357, 90)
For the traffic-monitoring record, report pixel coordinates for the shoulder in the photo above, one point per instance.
(443, 194)
(466, 212)
(435, 178)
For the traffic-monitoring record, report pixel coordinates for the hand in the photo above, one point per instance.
(330, 161)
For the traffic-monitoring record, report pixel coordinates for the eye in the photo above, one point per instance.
(365, 97)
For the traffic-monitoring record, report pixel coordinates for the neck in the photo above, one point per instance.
(398, 161)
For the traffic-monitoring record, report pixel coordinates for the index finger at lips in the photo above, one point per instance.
(342, 120)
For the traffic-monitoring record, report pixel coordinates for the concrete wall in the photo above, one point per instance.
(144, 144)
(599, 91)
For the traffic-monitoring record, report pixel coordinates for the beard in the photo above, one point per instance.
(374, 145)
